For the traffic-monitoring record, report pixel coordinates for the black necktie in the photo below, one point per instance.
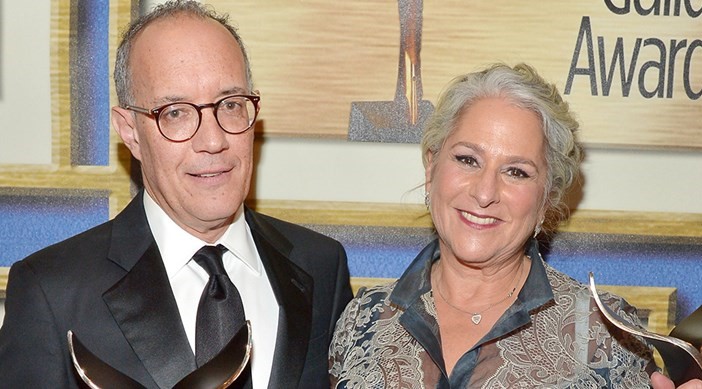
(220, 313)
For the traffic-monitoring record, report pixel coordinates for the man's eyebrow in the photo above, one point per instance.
(168, 99)
(177, 98)
(235, 91)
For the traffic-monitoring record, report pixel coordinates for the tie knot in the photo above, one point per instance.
(210, 258)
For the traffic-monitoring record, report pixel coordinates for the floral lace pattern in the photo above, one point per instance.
(383, 355)
(566, 345)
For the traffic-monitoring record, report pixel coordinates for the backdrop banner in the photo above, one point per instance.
(631, 69)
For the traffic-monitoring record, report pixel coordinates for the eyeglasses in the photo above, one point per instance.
(178, 122)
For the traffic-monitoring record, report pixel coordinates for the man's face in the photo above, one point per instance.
(202, 182)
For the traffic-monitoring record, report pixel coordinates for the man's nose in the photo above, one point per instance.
(210, 137)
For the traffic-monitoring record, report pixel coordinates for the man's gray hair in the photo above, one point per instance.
(192, 8)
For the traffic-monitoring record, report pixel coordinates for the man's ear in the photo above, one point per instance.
(125, 124)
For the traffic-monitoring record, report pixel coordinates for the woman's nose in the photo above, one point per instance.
(485, 188)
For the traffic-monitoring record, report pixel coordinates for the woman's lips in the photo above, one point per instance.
(479, 220)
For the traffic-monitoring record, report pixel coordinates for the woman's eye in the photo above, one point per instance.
(517, 173)
(466, 160)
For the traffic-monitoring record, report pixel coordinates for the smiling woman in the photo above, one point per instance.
(488, 177)
(478, 303)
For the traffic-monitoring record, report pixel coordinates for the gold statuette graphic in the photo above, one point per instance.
(400, 120)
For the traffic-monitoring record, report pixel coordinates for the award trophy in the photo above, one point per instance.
(220, 372)
(680, 350)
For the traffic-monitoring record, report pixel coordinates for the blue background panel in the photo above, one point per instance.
(37, 218)
(614, 259)
(90, 76)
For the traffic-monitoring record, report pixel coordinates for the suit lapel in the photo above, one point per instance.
(292, 287)
(142, 302)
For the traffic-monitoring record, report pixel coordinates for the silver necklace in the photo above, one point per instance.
(476, 317)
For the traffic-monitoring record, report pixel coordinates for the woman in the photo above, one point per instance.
(478, 307)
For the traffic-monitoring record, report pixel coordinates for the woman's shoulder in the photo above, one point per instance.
(375, 298)
(375, 293)
(563, 285)
(574, 309)
(371, 304)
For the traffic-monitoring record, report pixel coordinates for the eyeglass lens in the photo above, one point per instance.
(180, 121)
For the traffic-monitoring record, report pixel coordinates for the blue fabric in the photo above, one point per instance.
(31, 222)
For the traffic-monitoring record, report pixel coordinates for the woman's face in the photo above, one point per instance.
(486, 184)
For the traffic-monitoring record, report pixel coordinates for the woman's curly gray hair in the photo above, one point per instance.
(526, 89)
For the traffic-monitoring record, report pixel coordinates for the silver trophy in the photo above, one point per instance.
(220, 372)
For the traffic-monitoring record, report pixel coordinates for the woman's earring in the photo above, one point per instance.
(427, 201)
(537, 230)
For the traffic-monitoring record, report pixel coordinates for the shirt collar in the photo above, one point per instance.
(416, 280)
(239, 241)
(177, 246)
(537, 288)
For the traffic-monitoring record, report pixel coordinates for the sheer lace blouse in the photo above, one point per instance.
(551, 337)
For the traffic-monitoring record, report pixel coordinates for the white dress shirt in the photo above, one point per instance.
(245, 269)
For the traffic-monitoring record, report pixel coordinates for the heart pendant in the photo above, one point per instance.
(476, 318)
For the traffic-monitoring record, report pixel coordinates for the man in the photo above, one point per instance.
(129, 289)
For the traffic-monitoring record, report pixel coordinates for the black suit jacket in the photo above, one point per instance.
(110, 287)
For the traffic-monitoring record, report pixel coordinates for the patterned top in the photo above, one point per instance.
(551, 337)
